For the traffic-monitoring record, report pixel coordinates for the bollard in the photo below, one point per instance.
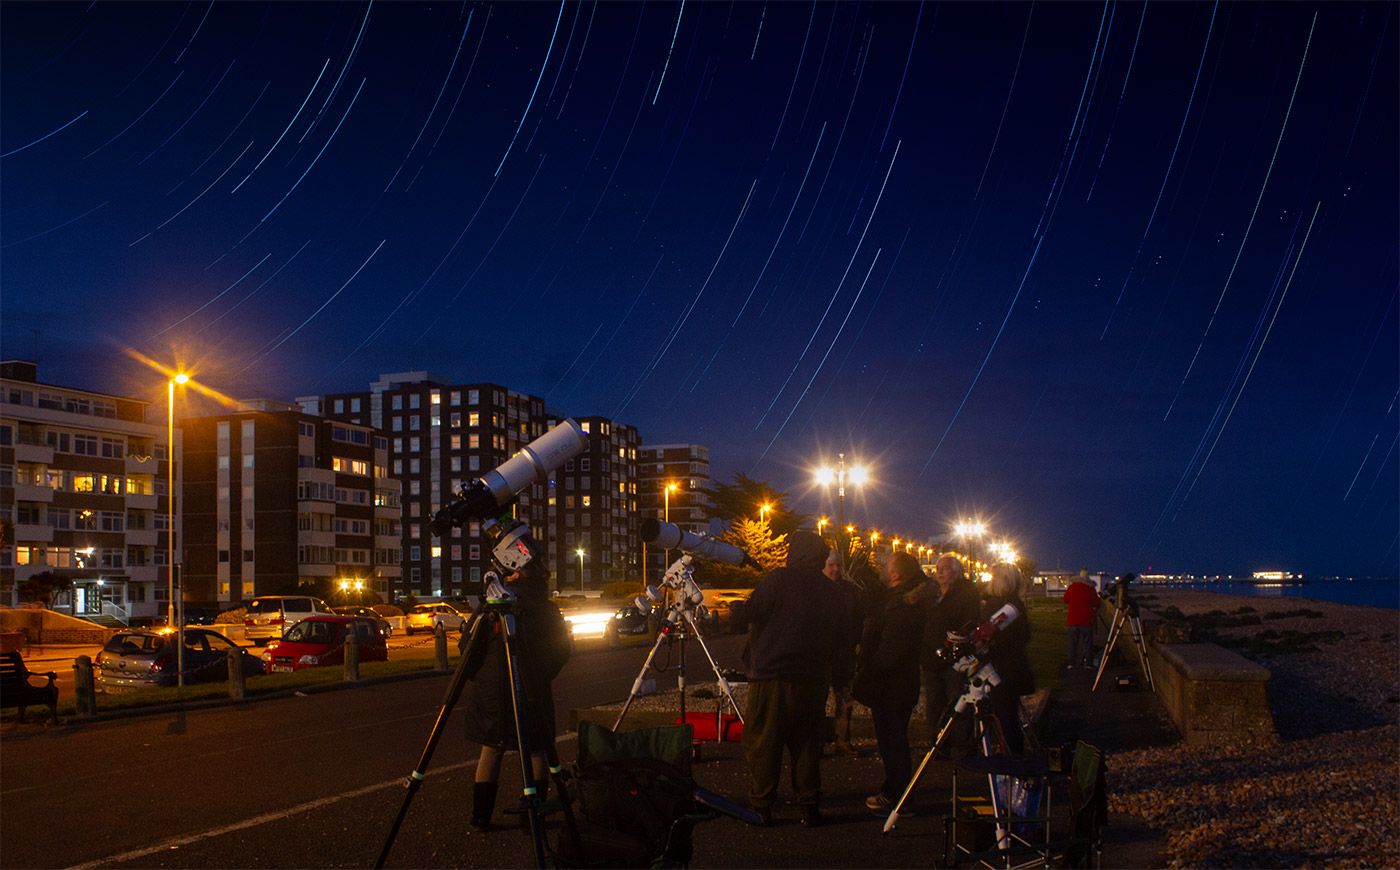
(237, 689)
(352, 654)
(84, 692)
(440, 646)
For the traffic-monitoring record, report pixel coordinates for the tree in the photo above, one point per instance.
(1029, 569)
(744, 499)
(42, 587)
(757, 537)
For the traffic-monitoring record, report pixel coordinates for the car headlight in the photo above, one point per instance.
(309, 660)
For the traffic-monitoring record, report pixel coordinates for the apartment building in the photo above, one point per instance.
(277, 499)
(672, 480)
(441, 435)
(593, 510)
(84, 494)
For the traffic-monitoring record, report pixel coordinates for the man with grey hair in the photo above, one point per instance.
(953, 609)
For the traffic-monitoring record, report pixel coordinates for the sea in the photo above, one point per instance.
(1370, 591)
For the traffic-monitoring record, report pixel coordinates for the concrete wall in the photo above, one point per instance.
(1213, 695)
(45, 626)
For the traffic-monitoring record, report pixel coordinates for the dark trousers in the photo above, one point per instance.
(1004, 705)
(785, 715)
(1080, 639)
(941, 688)
(892, 738)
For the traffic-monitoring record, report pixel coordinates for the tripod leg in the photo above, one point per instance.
(530, 796)
(641, 675)
(1108, 646)
(477, 638)
(949, 714)
(1141, 643)
(723, 683)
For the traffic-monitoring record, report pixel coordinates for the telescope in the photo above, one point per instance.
(668, 536)
(496, 489)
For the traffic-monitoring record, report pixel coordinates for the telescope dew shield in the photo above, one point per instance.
(668, 536)
(535, 461)
(497, 488)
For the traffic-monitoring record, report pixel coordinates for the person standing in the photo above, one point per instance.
(887, 670)
(1081, 602)
(852, 607)
(1006, 652)
(954, 610)
(543, 645)
(792, 616)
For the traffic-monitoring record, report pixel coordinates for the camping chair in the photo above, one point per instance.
(635, 803)
(1030, 833)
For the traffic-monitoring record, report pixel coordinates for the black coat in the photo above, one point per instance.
(1007, 649)
(887, 667)
(542, 644)
(957, 611)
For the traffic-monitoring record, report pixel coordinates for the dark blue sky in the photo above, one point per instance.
(1120, 280)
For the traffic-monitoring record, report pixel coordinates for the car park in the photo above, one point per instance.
(385, 625)
(320, 640)
(268, 616)
(427, 617)
(142, 659)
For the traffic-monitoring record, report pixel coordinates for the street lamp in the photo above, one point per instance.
(763, 512)
(172, 617)
(826, 475)
(580, 568)
(821, 524)
(667, 493)
(973, 530)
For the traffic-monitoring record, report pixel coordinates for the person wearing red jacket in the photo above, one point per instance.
(1082, 601)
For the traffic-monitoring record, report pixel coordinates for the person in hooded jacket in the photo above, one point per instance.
(887, 670)
(543, 645)
(792, 616)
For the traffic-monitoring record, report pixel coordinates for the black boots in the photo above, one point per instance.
(483, 803)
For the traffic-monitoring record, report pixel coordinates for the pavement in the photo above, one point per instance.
(1114, 719)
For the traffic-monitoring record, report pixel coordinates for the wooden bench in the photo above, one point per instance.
(17, 691)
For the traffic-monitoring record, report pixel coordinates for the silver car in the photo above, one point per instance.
(268, 616)
(147, 659)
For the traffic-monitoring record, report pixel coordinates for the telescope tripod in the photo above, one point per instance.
(681, 613)
(1127, 612)
(497, 613)
(979, 684)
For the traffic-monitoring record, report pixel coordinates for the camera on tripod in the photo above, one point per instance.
(1117, 592)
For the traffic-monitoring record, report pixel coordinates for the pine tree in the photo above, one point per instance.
(757, 537)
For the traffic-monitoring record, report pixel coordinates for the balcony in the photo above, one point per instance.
(30, 492)
(142, 538)
(141, 465)
(146, 573)
(36, 453)
(142, 502)
(315, 539)
(33, 533)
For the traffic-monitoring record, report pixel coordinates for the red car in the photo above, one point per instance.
(320, 640)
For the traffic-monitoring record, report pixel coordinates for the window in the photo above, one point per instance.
(473, 463)
(247, 555)
(247, 460)
(397, 424)
(415, 443)
(85, 445)
(354, 406)
(247, 430)
(397, 403)
(339, 406)
(474, 441)
(474, 552)
(583, 464)
(113, 448)
(473, 397)
(415, 552)
(587, 500)
(413, 401)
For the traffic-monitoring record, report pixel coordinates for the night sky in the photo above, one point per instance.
(1119, 280)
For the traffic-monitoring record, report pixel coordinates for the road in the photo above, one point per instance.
(307, 781)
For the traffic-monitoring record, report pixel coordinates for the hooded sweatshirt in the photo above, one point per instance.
(793, 616)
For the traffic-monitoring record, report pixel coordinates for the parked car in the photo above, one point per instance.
(385, 625)
(320, 640)
(268, 616)
(718, 609)
(142, 659)
(427, 617)
(630, 621)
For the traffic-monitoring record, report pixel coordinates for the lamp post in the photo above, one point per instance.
(667, 517)
(825, 475)
(821, 524)
(973, 530)
(580, 568)
(173, 618)
(763, 512)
